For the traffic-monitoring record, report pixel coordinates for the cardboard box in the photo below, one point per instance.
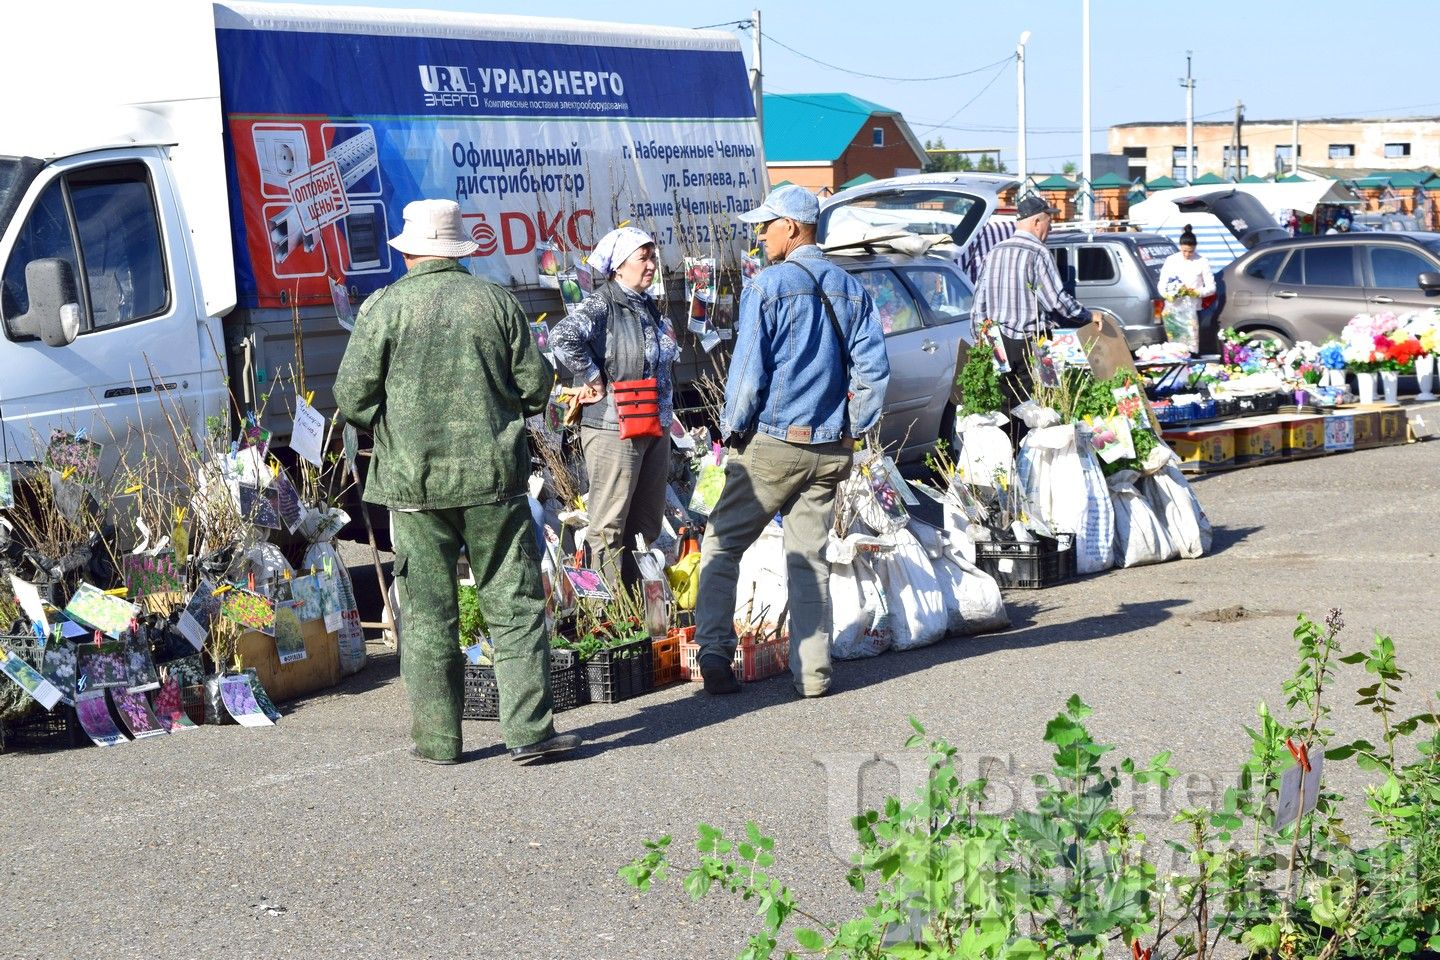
(1258, 439)
(1303, 436)
(1339, 432)
(284, 681)
(1393, 427)
(1367, 429)
(1208, 447)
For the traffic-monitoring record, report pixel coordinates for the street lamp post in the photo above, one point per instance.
(1020, 98)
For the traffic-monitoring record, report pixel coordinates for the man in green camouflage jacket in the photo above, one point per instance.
(442, 370)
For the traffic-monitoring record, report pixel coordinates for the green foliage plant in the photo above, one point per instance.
(1072, 876)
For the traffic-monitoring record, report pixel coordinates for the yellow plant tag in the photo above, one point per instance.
(117, 592)
(220, 589)
(541, 318)
(135, 489)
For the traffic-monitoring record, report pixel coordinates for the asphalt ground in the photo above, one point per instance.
(319, 838)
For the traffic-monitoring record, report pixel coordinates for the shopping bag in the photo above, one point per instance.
(1140, 536)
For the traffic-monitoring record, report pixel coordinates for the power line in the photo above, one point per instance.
(876, 76)
(974, 98)
(742, 24)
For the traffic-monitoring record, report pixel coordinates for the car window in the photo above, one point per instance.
(120, 241)
(897, 310)
(1062, 264)
(46, 233)
(111, 211)
(943, 291)
(1396, 267)
(1154, 255)
(1330, 266)
(1096, 265)
(1267, 267)
(1294, 270)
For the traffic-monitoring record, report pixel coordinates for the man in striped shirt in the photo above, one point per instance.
(1019, 288)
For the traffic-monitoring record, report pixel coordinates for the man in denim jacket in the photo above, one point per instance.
(797, 397)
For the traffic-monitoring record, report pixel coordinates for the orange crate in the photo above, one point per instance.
(666, 653)
(753, 661)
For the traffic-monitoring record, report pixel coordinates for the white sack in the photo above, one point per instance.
(761, 594)
(1062, 480)
(1140, 537)
(861, 622)
(960, 512)
(972, 597)
(1172, 499)
(913, 594)
(983, 450)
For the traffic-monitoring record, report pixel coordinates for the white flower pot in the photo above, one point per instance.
(1390, 382)
(1365, 387)
(1425, 373)
(1335, 378)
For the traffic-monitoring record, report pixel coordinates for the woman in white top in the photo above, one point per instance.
(1185, 271)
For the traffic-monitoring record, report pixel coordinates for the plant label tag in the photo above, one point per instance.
(1287, 807)
(308, 437)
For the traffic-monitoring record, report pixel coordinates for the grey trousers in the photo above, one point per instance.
(763, 477)
(627, 496)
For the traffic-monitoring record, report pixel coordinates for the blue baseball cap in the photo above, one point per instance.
(790, 202)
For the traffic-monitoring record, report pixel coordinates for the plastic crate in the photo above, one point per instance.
(56, 729)
(665, 651)
(1028, 566)
(1260, 403)
(620, 672)
(753, 661)
(568, 688)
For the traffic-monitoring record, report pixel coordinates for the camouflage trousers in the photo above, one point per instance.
(500, 541)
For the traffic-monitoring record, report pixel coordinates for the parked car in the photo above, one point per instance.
(1307, 288)
(924, 299)
(1117, 274)
(924, 306)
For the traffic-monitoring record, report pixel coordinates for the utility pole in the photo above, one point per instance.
(1295, 147)
(1189, 84)
(757, 78)
(1020, 98)
(1235, 147)
(1088, 212)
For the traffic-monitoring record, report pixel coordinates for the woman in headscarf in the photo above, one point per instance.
(619, 346)
(1185, 280)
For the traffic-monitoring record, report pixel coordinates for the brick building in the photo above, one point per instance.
(827, 140)
(1156, 150)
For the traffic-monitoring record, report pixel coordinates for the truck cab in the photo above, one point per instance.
(104, 331)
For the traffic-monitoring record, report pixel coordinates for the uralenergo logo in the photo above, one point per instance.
(438, 79)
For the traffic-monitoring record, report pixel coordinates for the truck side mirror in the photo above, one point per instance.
(1429, 281)
(54, 314)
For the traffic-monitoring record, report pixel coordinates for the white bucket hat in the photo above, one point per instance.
(433, 229)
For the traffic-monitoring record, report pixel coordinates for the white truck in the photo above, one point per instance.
(194, 196)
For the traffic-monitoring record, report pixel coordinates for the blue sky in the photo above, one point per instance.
(1306, 60)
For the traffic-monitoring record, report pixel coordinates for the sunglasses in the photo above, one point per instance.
(760, 228)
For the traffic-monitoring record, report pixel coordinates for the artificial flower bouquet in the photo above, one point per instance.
(1302, 362)
(1424, 326)
(1359, 338)
(1176, 289)
(1332, 354)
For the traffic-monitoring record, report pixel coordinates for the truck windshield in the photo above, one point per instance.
(15, 175)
